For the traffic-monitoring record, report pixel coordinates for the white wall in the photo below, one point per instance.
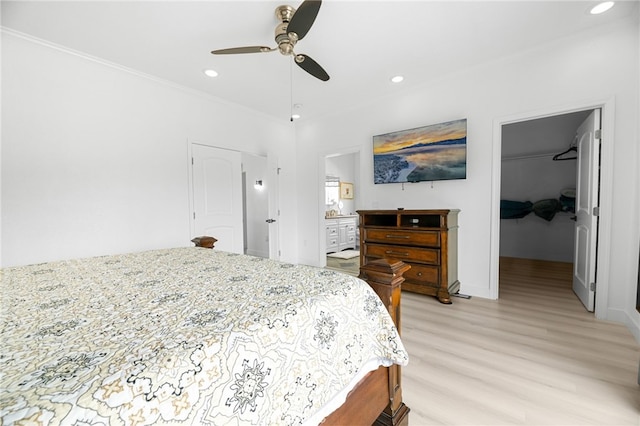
(602, 64)
(94, 158)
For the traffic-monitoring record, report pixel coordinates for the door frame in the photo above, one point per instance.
(237, 243)
(607, 107)
(322, 176)
(274, 209)
(255, 168)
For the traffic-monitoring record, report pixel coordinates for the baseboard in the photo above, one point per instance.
(631, 321)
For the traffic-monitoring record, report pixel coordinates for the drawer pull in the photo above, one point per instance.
(405, 254)
(404, 237)
(419, 274)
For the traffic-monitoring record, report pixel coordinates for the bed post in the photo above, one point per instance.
(204, 241)
(385, 277)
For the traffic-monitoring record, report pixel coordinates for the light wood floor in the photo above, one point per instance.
(533, 357)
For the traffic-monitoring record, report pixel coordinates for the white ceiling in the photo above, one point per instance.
(361, 44)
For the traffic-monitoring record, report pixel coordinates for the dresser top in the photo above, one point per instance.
(412, 211)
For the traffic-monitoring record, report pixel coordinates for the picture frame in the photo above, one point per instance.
(427, 153)
(346, 191)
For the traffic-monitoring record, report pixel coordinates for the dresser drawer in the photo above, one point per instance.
(426, 274)
(414, 254)
(398, 236)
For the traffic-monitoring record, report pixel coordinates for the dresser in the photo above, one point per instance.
(341, 233)
(427, 240)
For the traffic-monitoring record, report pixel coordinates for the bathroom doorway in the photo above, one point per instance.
(339, 220)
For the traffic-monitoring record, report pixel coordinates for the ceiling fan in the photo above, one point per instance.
(293, 27)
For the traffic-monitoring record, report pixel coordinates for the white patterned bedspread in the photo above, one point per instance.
(187, 335)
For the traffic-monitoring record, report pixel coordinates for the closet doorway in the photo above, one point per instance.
(547, 164)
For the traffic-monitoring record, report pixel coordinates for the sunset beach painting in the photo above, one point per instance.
(435, 152)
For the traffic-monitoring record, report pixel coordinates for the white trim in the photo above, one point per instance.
(606, 208)
(114, 65)
(192, 224)
(606, 191)
(96, 59)
(494, 227)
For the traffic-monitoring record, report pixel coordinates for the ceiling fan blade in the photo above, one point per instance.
(247, 49)
(303, 18)
(312, 67)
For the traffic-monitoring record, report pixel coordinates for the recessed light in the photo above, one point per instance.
(211, 73)
(602, 7)
(397, 79)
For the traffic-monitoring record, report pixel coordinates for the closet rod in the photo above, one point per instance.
(526, 157)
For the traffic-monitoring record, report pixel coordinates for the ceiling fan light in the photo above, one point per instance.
(602, 7)
(211, 73)
(397, 79)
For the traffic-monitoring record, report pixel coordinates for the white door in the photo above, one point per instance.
(217, 196)
(586, 228)
(256, 205)
(273, 183)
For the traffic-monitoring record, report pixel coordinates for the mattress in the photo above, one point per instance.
(187, 335)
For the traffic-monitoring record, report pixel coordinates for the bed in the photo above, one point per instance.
(199, 336)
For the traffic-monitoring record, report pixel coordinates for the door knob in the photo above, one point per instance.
(270, 220)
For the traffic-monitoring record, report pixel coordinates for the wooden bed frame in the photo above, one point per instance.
(377, 399)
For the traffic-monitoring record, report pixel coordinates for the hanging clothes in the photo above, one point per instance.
(545, 209)
(514, 209)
